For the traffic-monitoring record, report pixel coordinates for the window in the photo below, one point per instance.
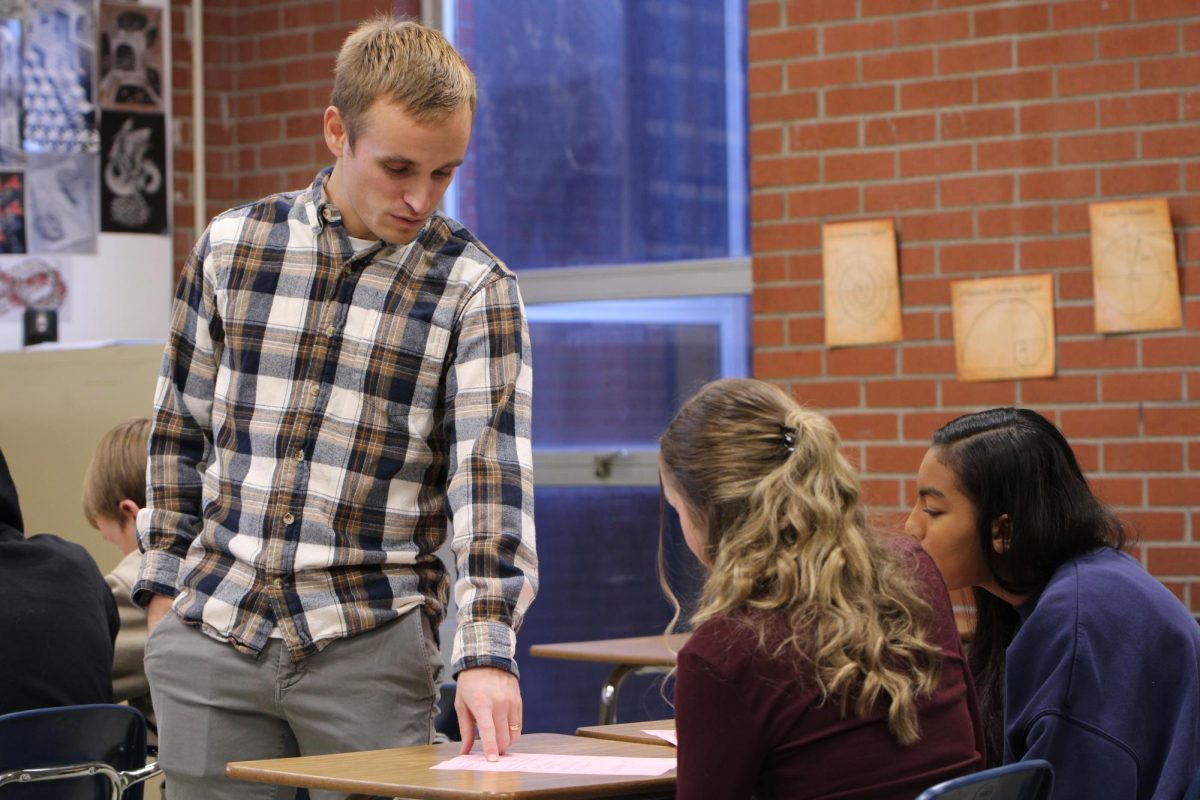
(608, 169)
(607, 132)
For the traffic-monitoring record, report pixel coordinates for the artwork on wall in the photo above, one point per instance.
(131, 58)
(861, 283)
(12, 212)
(32, 282)
(58, 76)
(12, 154)
(1134, 274)
(61, 194)
(1004, 327)
(133, 178)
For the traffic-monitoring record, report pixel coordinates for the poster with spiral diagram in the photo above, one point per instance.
(861, 283)
(133, 173)
(1134, 273)
(33, 282)
(1004, 328)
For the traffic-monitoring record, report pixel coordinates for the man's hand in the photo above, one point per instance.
(159, 607)
(488, 702)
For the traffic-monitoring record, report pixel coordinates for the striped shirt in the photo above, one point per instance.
(324, 420)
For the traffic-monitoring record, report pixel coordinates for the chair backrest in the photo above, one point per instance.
(1193, 790)
(57, 737)
(1024, 780)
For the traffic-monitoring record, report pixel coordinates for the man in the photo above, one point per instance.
(347, 380)
(58, 619)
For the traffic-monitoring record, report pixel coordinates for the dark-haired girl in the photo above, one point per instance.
(1080, 656)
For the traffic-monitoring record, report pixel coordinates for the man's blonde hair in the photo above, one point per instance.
(786, 535)
(404, 62)
(117, 471)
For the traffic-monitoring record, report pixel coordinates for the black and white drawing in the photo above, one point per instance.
(131, 58)
(12, 212)
(32, 282)
(133, 183)
(59, 71)
(60, 194)
(12, 154)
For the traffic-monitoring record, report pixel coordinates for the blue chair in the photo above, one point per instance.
(91, 752)
(1024, 780)
(447, 718)
(1193, 790)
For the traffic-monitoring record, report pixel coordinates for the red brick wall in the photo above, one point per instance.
(268, 72)
(984, 129)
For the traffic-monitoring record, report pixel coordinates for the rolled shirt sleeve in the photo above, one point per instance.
(489, 497)
(179, 444)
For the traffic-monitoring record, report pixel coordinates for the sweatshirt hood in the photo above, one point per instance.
(11, 523)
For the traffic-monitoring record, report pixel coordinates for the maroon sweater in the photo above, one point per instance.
(750, 725)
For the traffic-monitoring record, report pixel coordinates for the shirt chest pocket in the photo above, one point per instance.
(394, 361)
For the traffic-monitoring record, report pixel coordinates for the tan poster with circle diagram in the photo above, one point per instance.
(862, 283)
(1134, 273)
(1004, 328)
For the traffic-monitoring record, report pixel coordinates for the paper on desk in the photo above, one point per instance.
(665, 735)
(560, 764)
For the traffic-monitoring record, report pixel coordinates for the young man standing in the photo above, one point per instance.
(347, 382)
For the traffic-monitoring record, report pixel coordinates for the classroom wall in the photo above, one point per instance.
(984, 129)
(267, 78)
(54, 407)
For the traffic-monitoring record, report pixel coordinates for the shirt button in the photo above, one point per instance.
(331, 331)
(278, 582)
(298, 455)
(288, 518)
(314, 390)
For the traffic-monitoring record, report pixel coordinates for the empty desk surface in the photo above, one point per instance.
(639, 651)
(631, 732)
(405, 772)
(628, 656)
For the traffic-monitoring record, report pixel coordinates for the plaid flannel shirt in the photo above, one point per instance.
(323, 420)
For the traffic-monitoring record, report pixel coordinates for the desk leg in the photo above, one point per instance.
(608, 694)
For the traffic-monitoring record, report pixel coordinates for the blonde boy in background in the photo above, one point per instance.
(114, 490)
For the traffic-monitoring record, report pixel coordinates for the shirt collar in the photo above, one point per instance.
(324, 211)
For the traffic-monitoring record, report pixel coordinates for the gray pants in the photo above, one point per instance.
(215, 705)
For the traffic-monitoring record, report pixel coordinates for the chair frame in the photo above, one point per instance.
(118, 781)
(979, 780)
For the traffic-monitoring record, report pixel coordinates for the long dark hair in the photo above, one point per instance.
(1013, 461)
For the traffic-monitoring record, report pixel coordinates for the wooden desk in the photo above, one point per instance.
(405, 772)
(629, 656)
(630, 732)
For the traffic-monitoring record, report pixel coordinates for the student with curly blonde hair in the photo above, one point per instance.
(825, 660)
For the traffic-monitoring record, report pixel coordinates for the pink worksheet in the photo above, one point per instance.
(667, 736)
(561, 764)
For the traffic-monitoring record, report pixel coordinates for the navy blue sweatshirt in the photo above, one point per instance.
(58, 618)
(1103, 681)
